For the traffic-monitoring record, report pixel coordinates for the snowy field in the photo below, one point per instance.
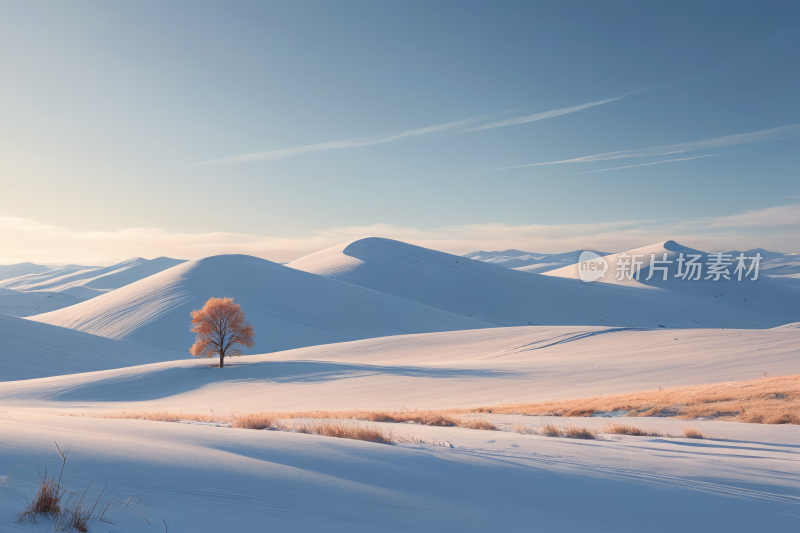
(200, 478)
(382, 325)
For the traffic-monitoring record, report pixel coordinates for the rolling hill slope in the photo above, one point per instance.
(21, 269)
(18, 303)
(508, 297)
(764, 296)
(33, 350)
(101, 279)
(288, 308)
(527, 261)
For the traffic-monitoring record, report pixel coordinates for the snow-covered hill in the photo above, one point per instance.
(18, 303)
(27, 289)
(508, 297)
(33, 350)
(103, 279)
(527, 261)
(287, 308)
(765, 296)
(21, 269)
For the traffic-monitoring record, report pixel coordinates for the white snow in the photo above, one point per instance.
(102, 279)
(764, 297)
(527, 261)
(219, 479)
(379, 324)
(503, 296)
(21, 269)
(18, 303)
(287, 308)
(433, 370)
(27, 289)
(33, 350)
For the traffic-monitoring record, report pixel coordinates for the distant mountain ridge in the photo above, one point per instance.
(508, 297)
(528, 261)
(40, 288)
(773, 263)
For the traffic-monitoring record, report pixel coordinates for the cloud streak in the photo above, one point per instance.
(273, 155)
(647, 164)
(549, 114)
(774, 134)
(347, 143)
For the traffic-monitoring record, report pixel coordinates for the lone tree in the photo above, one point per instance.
(219, 325)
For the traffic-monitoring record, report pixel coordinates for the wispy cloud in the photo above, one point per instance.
(550, 114)
(347, 143)
(773, 134)
(783, 215)
(647, 164)
(272, 155)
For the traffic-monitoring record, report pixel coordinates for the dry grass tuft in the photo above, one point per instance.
(520, 428)
(618, 428)
(477, 423)
(571, 431)
(767, 400)
(344, 430)
(548, 429)
(77, 519)
(253, 421)
(691, 432)
(575, 432)
(47, 499)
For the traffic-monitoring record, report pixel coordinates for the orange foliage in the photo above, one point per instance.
(219, 325)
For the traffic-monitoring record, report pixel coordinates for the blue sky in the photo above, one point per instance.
(277, 128)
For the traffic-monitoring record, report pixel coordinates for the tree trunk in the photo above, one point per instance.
(221, 360)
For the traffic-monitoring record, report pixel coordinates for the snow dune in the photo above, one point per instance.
(288, 308)
(32, 350)
(507, 297)
(765, 297)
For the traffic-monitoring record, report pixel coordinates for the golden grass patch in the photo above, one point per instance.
(162, 416)
(253, 420)
(767, 400)
(344, 430)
